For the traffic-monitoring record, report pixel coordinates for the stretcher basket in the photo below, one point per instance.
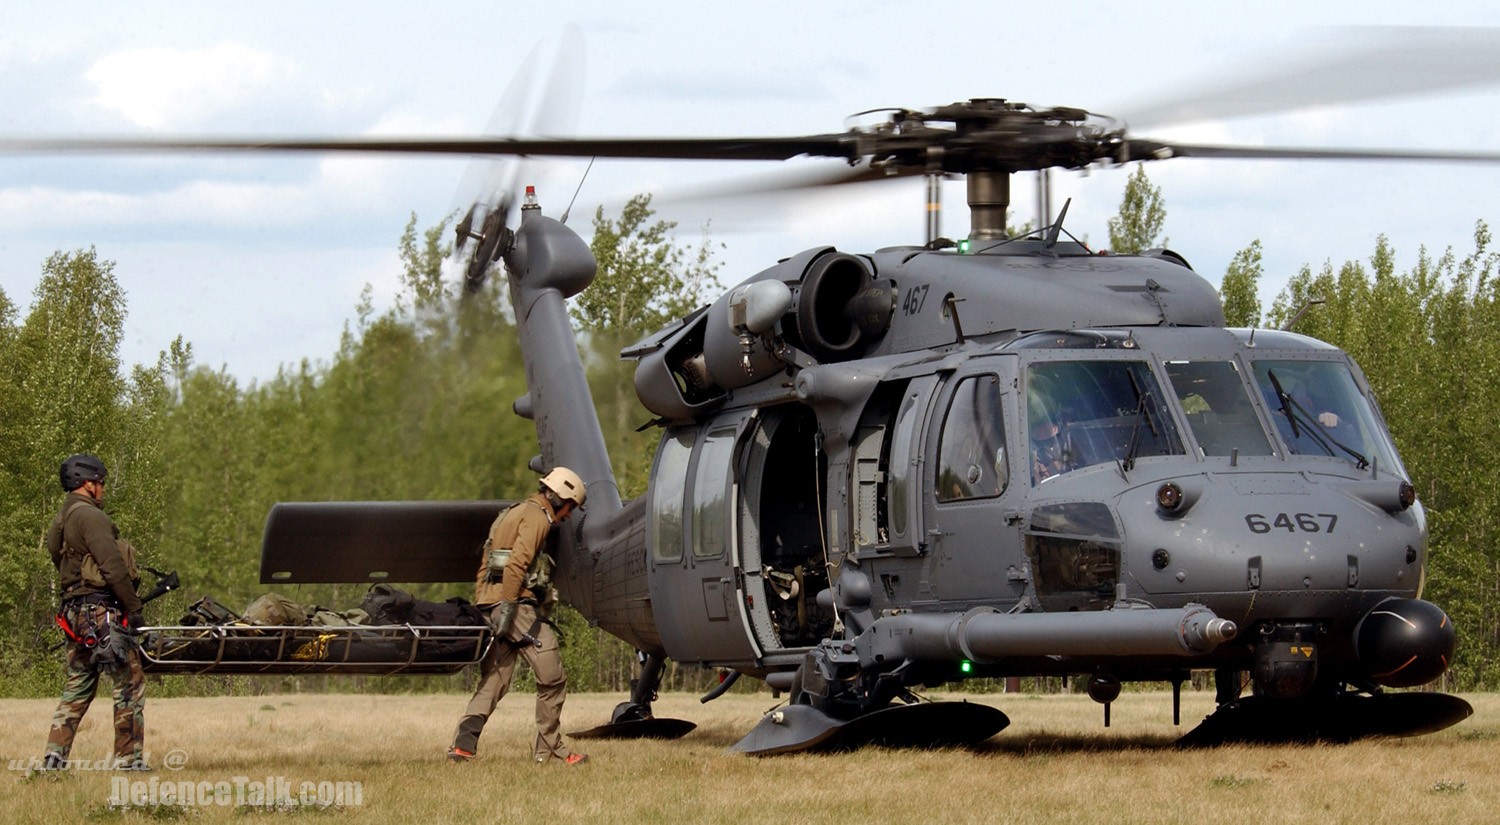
(280, 649)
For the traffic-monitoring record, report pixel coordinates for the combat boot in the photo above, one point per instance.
(458, 756)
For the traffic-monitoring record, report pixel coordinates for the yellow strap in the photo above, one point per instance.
(316, 650)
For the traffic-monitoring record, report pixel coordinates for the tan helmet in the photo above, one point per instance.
(566, 484)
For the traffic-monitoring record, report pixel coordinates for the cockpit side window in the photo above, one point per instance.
(971, 452)
(1082, 413)
(1320, 411)
(1218, 407)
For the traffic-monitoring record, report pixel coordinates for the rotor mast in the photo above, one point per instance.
(989, 198)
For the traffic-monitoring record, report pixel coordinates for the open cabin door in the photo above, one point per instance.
(783, 489)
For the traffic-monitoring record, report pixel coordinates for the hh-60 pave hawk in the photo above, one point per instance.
(1009, 456)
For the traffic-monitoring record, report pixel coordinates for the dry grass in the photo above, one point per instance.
(1055, 764)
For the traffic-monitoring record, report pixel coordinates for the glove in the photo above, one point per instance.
(503, 616)
(134, 622)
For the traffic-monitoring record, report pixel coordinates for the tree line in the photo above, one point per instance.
(415, 404)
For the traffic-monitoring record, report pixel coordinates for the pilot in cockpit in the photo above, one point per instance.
(1046, 438)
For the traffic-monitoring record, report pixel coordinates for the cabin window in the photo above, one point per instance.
(900, 465)
(1082, 413)
(710, 513)
(1323, 412)
(669, 482)
(971, 453)
(1218, 408)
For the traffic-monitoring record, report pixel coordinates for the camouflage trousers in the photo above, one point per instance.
(82, 682)
(498, 670)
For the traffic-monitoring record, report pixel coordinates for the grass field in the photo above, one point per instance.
(1054, 764)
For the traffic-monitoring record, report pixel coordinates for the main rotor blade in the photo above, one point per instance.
(786, 181)
(744, 148)
(1307, 153)
(1352, 65)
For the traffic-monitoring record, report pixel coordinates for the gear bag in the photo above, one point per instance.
(388, 605)
(207, 611)
(275, 609)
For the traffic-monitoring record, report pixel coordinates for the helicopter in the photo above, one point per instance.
(1006, 456)
(1001, 456)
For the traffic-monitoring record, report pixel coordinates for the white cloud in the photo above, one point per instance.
(161, 87)
(197, 203)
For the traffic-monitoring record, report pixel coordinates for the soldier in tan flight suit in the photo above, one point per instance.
(513, 586)
(95, 571)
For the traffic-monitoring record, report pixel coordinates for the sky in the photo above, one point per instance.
(261, 261)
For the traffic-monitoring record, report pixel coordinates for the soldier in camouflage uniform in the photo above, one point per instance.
(514, 588)
(97, 582)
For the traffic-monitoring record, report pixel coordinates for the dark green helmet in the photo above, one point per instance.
(80, 468)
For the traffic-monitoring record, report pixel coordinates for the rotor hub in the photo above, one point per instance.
(991, 135)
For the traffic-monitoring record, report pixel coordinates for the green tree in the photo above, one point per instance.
(1240, 290)
(422, 267)
(1138, 224)
(645, 277)
(10, 401)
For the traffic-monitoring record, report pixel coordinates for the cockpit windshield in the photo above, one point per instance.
(1319, 410)
(1218, 408)
(1082, 413)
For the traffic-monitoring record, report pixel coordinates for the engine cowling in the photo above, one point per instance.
(839, 311)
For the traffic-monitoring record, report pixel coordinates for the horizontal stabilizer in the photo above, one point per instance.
(374, 541)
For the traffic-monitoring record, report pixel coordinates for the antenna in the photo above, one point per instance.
(569, 210)
(1056, 228)
(1302, 310)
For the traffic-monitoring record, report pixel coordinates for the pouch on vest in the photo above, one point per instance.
(539, 574)
(92, 576)
(495, 558)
